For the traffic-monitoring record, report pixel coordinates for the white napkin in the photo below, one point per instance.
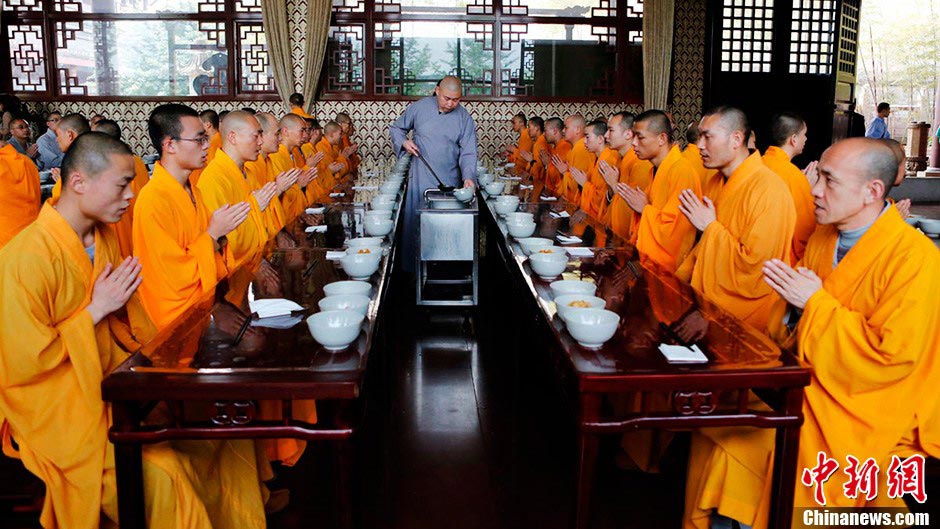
(510, 164)
(579, 251)
(315, 229)
(365, 188)
(544, 198)
(514, 178)
(315, 211)
(560, 214)
(278, 322)
(568, 239)
(523, 186)
(335, 256)
(337, 195)
(679, 354)
(267, 308)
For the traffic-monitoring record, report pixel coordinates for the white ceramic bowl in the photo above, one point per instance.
(383, 202)
(378, 214)
(563, 304)
(520, 231)
(507, 198)
(495, 188)
(335, 329)
(378, 227)
(337, 288)
(364, 241)
(912, 221)
(520, 216)
(361, 266)
(354, 302)
(531, 243)
(592, 327)
(505, 208)
(390, 188)
(464, 194)
(484, 179)
(548, 266)
(550, 250)
(572, 286)
(929, 226)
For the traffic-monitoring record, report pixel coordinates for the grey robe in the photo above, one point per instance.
(449, 143)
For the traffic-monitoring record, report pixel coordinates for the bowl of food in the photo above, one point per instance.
(365, 241)
(377, 227)
(550, 250)
(521, 230)
(548, 266)
(354, 302)
(335, 329)
(338, 288)
(572, 286)
(592, 327)
(530, 244)
(361, 266)
(565, 305)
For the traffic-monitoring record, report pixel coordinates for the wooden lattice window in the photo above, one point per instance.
(812, 36)
(848, 39)
(747, 35)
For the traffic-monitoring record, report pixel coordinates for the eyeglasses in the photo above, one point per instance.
(201, 140)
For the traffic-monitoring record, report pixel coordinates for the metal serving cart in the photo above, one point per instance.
(448, 241)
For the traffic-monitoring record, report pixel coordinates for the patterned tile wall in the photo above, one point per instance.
(492, 118)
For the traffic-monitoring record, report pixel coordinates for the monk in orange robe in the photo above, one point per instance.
(559, 148)
(710, 179)
(71, 299)
(630, 173)
(182, 247)
(71, 126)
(750, 225)
(861, 311)
(594, 189)
(210, 122)
(348, 149)
(318, 192)
(789, 137)
(661, 232)
(534, 172)
(294, 201)
(260, 172)
(333, 165)
(297, 105)
(19, 202)
(124, 227)
(525, 142)
(580, 158)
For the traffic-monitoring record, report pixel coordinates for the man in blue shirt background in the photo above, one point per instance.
(878, 128)
(50, 156)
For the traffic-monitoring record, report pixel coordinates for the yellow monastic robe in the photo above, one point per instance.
(178, 258)
(594, 192)
(779, 162)
(582, 159)
(355, 159)
(710, 179)
(552, 176)
(293, 200)
(124, 227)
(634, 172)
(536, 169)
(19, 201)
(258, 177)
(319, 189)
(662, 233)
(525, 144)
(58, 357)
(300, 112)
(753, 225)
(329, 157)
(215, 143)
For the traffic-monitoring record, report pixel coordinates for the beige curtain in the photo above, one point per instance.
(277, 33)
(318, 31)
(658, 20)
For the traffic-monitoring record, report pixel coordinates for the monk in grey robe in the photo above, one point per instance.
(444, 134)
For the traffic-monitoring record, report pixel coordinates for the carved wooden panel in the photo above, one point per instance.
(346, 58)
(27, 57)
(812, 36)
(22, 6)
(255, 64)
(746, 35)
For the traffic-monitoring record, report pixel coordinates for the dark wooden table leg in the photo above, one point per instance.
(587, 459)
(785, 461)
(128, 462)
(344, 483)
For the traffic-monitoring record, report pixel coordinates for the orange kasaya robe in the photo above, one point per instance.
(19, 201)
(215, 143)
(124, 227)
(662, 233)
(582, 159)
(293, 201)
(594, 192)
(258, 177)
(753, 225)
(300, 112)
(711, 180)
(354, 159)
(634, 172)
(318, 191)
(179, 262)
(552, 176)
(58, 357)
(536, 169)
(331, 155)
(525, 144)
(779, 162)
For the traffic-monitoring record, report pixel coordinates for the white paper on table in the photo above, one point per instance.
(365, 188)
(278, 322)
(544, 198)
(315, 211)
(513, 178)
(579, 251)
(335, 256)
(270, 307)
(315, 229)
(680, 354)
(523, 186)
(560, 214)
(566, 239)
(337, 195)
(510, 164)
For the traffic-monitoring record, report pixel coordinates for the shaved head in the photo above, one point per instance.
(109, 127)
(237, 121)
(210, 117)
(731, 119)
(90, 154)
(331, 127)
(626, 120)
(267, 121)
(576, 121)
(76, 123)
(451, 84)
(343, 117)
(855, 176)
(691, 133)
(901, 157)
(292, 122)
(657, 122)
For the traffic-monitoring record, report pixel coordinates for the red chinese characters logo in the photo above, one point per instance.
(907, 477)
(862, 479)
(904, 476)
(816, 476)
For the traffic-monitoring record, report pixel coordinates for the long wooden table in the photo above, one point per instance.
(208, 386)
(742, 362)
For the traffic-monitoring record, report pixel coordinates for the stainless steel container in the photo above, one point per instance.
(448, 238)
